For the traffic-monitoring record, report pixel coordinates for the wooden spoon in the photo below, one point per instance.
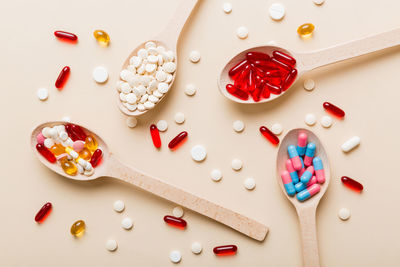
(112, 167)
(167, 38)
(311, 60)
(305, 210)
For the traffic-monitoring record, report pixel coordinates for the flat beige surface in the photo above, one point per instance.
(366, 88)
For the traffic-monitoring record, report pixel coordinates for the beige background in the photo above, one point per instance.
(366, 88)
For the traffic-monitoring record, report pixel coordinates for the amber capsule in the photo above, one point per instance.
(225, 250)
(305, 30)
(78, 228)
(91, 143)
(352, 184)
(57, 149)
(68, 166)
(269, 135)
(175, 222)
(43, 212)
(102, 37)
(85, 154)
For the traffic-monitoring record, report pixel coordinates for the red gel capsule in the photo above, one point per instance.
(352, 184)
(335, 110)
(274, 89)
(269, 135)
(225, 250)
(235, 91)
(238, 68)
(75, 132)
(257, 56)
(155, 136)
(280, 65)
(265, 65)
(251, 81)
(62, 77)
(66, 35)
(96, 157)
(43, 212)
(289, 79)
(285, 58)
(175, 222)
(46, 153)
(265, 93)
(177, 140)
(273, 73)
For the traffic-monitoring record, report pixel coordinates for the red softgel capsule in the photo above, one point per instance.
(46, 153)
(227, 250)
(238, 68)
(177, 140)
(62, 77)
(175, 222)
(96, 157)
(285, 58)
(155, 136)
(289, 79)
(352, 184)
(269, 135)
(43, 212)
(256, 56)
(335, 110)
(66, 35)
(75, 132)
(235, 91)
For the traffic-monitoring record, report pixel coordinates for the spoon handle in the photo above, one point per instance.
(315, 59)
(309, 236)
(169, 192)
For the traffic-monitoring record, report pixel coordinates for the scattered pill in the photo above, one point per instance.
(227, 7)
(66, 35)
(344, 214)
(310, 119)
(216, 175)
(277, 128)
(309, 84)
(100, 74)
(198, 153)
(62, 77)
(179, 118)
(162, 125)
(352, 184)
(131, 122)
(242, 32)
(276, 11)
(225, 250)
(237, 164)
(66, 119)
(326, 121)
(318, 2)
(238, 126)
(175, 222)
(175, 256)
(102, 37)
(127, 223)
(194, 56)
(43, 212)
(78, 228)
(270, 136)
(190, 90)
(335, 110)
(177, 212)
(305, 30)
(155, 136)
(119, 206)
(351, 143)
(111, 245)
(196, 247)
(42, 94)
(249, 183)
(174, 143)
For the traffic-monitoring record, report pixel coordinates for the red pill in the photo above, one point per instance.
(265, 93)
(75, 132)
(177, 140)
(62, 77)
(96, 157)
(285, 58)
(274, 89)
(251, 81)
(289, 79)
(238, 68)
(265, 65)
(269, 135)
(225, 250)
(46, 153)
(257, 56)
(175, 222)
(155, 136)
(66, 35)
(280, 65)
(352, 184)
(43, 212)
(235, 91)
(335, 110)
(273, 73)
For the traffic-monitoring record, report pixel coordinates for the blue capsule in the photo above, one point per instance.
(306, 176)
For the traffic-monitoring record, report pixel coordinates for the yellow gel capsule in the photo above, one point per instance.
(102, 37)
(78, 228)
(85, 154)
(91, 143)
(57, 149)
(305, 30)
(68, 166)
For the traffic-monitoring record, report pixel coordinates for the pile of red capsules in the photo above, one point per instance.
(260, 75)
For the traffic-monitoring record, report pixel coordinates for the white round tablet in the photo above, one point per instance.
(131, 122)
(309, 84)
(111, 245)
(42, 94)
(238, 126)
(277, 128)
(179, 117)
(318, 2)
(249, 183)
(119, 206)
(216, 175)
(194, 56)
(310, 119)
(237, 164)
(177, 212)
(242, 32)
(175, 256)
(100, 74)
(326, 121)
(162, 125)
(276, 11)
(66, 119)
(344, 214)
(227, 7)
(198, 153)
(190, 89)
(196, 247)
(127, 223)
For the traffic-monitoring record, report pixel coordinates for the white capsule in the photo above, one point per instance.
(194, 56)
(177, 212)
(42, 94)
(149, 105)
(82, 162)
(68, 142)
(169, 67)
(119, 206)
(142, 53)
(88, 166)
(48, 142)
(237, 164)
(131, 98)
(127, 223)
(276, 11)
(163, 88)
(310, 119)
(63, 136)
(242, 32)
(111, 245)
(216, 175)
(190, 90)
(249, 183)
(326, 121)
(351, 143)
(179, 117)
(81, 170)
(136, 61)
(131, 122)
(73, 154)
(238, 126)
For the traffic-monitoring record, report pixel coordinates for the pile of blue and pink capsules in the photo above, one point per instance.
(304, 172)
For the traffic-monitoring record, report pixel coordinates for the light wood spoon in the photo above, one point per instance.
(112, 167)
(167, 38)
(311, 60)
(305, 210)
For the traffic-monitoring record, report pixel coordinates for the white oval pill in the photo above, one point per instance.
(177, 212)
(131, 122)
(242, 32)
(227, 7)
(309, 84)
(249, 183)
(119, 206)
(127, 223)
(126, 88)
(42, 94)
(100, 74)
(344, 214)
(276, 11)
(237, 164)
(198, 153)
(349, 144)
(277, 128)
(310, 119)
(162, 125)
(326, 121)
(175, 256)
(216, 175)
(190, 90)
(111, 245)
(196, 248)
(238, 126)
(179, 118)
(194, 56)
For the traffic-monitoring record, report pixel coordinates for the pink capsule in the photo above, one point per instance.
(301, 144)
(294, 156)
(288, 184)
(319, 170)
(292, 171)
(312, 181)
(309, 192)
(40, 138)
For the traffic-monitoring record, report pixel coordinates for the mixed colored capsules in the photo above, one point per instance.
(335, 110)
(43, 212)
(175, 222)
(78, 228)
(352, 184)
(227, 250)
(62, 77)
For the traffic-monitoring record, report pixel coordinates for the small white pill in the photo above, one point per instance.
(276, 11)
(64, 136)
(349, 144)
(175, 256)
(216, 175)
(237, 164)
(161, 76)
(111, 245)
(124, 74)
(88, 172)
(157, 93)
(344, 214)
(163, 88)
(242, 32)
(66, 119)
(326, 121)
(42, 94)
(238, 126)
(169, 78)
(162, 125)
(144, 98)
(277, 128)
(190, 90)
(309, 84)
(169, 67)
(194, 56)
(119, 206)
(48, 142)
(127, 223)
(179, 118)
(100, 74)
(196, 247)
(227, 7)
(53, 132)
(150, 44)
(249, 183)
(177, 212)
(126, 88)
(122, 97)
(131, 122)
(153, 59)
(153, 99)
(149, 105)
(135, 61)
(198, 153)
(142, 53)
(150, 68)
(131, 98)
(88, 166)
(81, 170)
(310, 119)
(141, 107)
(318, 2)
(130, 107)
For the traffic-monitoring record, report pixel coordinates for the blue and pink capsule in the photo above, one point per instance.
(294, 157)
(300, 186)
(308, 192)
(301, 144)
(307, 175)
(310, 151)
(287, 182)
(292, 172)
(319, 170)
